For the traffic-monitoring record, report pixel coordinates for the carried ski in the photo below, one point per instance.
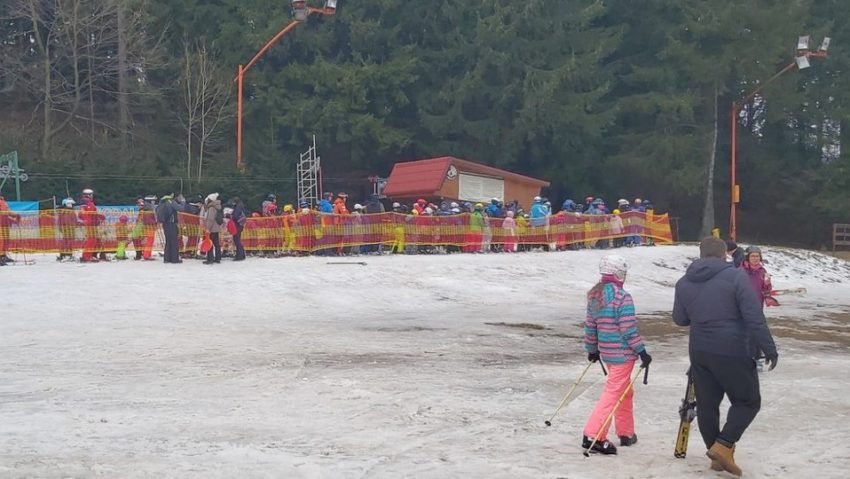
(777, 292)
(687, 413)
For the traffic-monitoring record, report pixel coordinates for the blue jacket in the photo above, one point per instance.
(494, 211)
(717, 301)
(325, 206)
(538, 214)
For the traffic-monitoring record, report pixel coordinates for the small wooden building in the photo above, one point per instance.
(454, 179)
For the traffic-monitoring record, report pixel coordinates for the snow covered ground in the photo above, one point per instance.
(411, 366)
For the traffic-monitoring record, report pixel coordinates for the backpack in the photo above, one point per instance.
(219, 216)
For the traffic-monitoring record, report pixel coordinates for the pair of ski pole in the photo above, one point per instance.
(548, 422)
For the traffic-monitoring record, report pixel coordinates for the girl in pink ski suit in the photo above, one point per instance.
(610, 334)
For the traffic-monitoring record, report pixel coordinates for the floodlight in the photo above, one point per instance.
(299, 10)
(330, 4)
(804, 42)
(802, 62)
(824, 46)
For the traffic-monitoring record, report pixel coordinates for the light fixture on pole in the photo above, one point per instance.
(300, 12)
(801, 61)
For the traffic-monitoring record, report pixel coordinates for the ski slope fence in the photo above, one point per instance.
(68, 231)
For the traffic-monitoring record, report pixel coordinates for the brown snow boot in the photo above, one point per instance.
(716, 466)
(723, 455)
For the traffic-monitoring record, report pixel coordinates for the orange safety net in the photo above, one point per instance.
(68, 231)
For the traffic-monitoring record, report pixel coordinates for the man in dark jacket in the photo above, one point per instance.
(166, 214)
(737, 254)
(717, 301)
(239, 217)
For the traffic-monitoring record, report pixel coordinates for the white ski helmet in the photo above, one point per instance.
(88, 193)
(614, 265)
(68, 202)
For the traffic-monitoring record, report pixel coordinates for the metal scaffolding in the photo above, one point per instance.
(310, 176)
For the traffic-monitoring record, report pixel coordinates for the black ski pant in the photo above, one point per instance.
(237, 242)
(737, 378)
(172, 250)
(214, 253)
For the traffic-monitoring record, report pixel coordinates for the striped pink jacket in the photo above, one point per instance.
(612, 328)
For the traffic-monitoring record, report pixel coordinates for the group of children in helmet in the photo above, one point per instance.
(482, 220)
(152, 212)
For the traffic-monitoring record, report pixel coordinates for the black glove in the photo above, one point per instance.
(593, 357)
(771, 360)
(645, 359)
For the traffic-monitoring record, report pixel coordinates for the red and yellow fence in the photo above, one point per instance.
(57, 231)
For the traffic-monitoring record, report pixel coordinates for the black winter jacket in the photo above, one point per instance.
(717, 301)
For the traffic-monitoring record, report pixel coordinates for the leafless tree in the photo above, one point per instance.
(205, 91)
(75, 56)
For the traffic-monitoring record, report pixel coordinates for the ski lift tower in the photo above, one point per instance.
(310, 176)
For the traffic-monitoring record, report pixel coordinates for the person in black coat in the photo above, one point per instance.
(166, 215)
(240, 218)
(727, 325)
(737, 254)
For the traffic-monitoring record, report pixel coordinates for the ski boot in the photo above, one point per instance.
(600, 447)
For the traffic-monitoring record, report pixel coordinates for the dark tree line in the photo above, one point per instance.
(618, 98)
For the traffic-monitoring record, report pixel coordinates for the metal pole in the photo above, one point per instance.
(17, 175)
(733, 229)
(239, 163)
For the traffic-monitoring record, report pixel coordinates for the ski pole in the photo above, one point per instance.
(603, 368)
(611, 415)
(570, 392)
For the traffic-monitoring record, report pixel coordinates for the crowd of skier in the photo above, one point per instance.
(208, 228)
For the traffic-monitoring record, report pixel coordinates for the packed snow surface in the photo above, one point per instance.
(410, 366)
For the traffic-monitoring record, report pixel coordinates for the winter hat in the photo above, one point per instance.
(616, 212)
(614, 265)
(731, 246)
(358, 206)
(751, 250)
(212, 197)
(510, 214)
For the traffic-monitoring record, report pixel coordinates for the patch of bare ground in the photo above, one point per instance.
(845, 255)
(831, 328)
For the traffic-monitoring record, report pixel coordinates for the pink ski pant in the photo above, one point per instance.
(619, 377)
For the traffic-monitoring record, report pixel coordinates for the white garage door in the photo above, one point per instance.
(480, 188)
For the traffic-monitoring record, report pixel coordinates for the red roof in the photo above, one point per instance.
(417, 177)
(425, 177)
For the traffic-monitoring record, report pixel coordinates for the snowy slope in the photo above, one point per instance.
(411, 366)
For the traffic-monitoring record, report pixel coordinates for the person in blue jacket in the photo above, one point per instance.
(494, 209)
(325, 205)
(538, 212)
